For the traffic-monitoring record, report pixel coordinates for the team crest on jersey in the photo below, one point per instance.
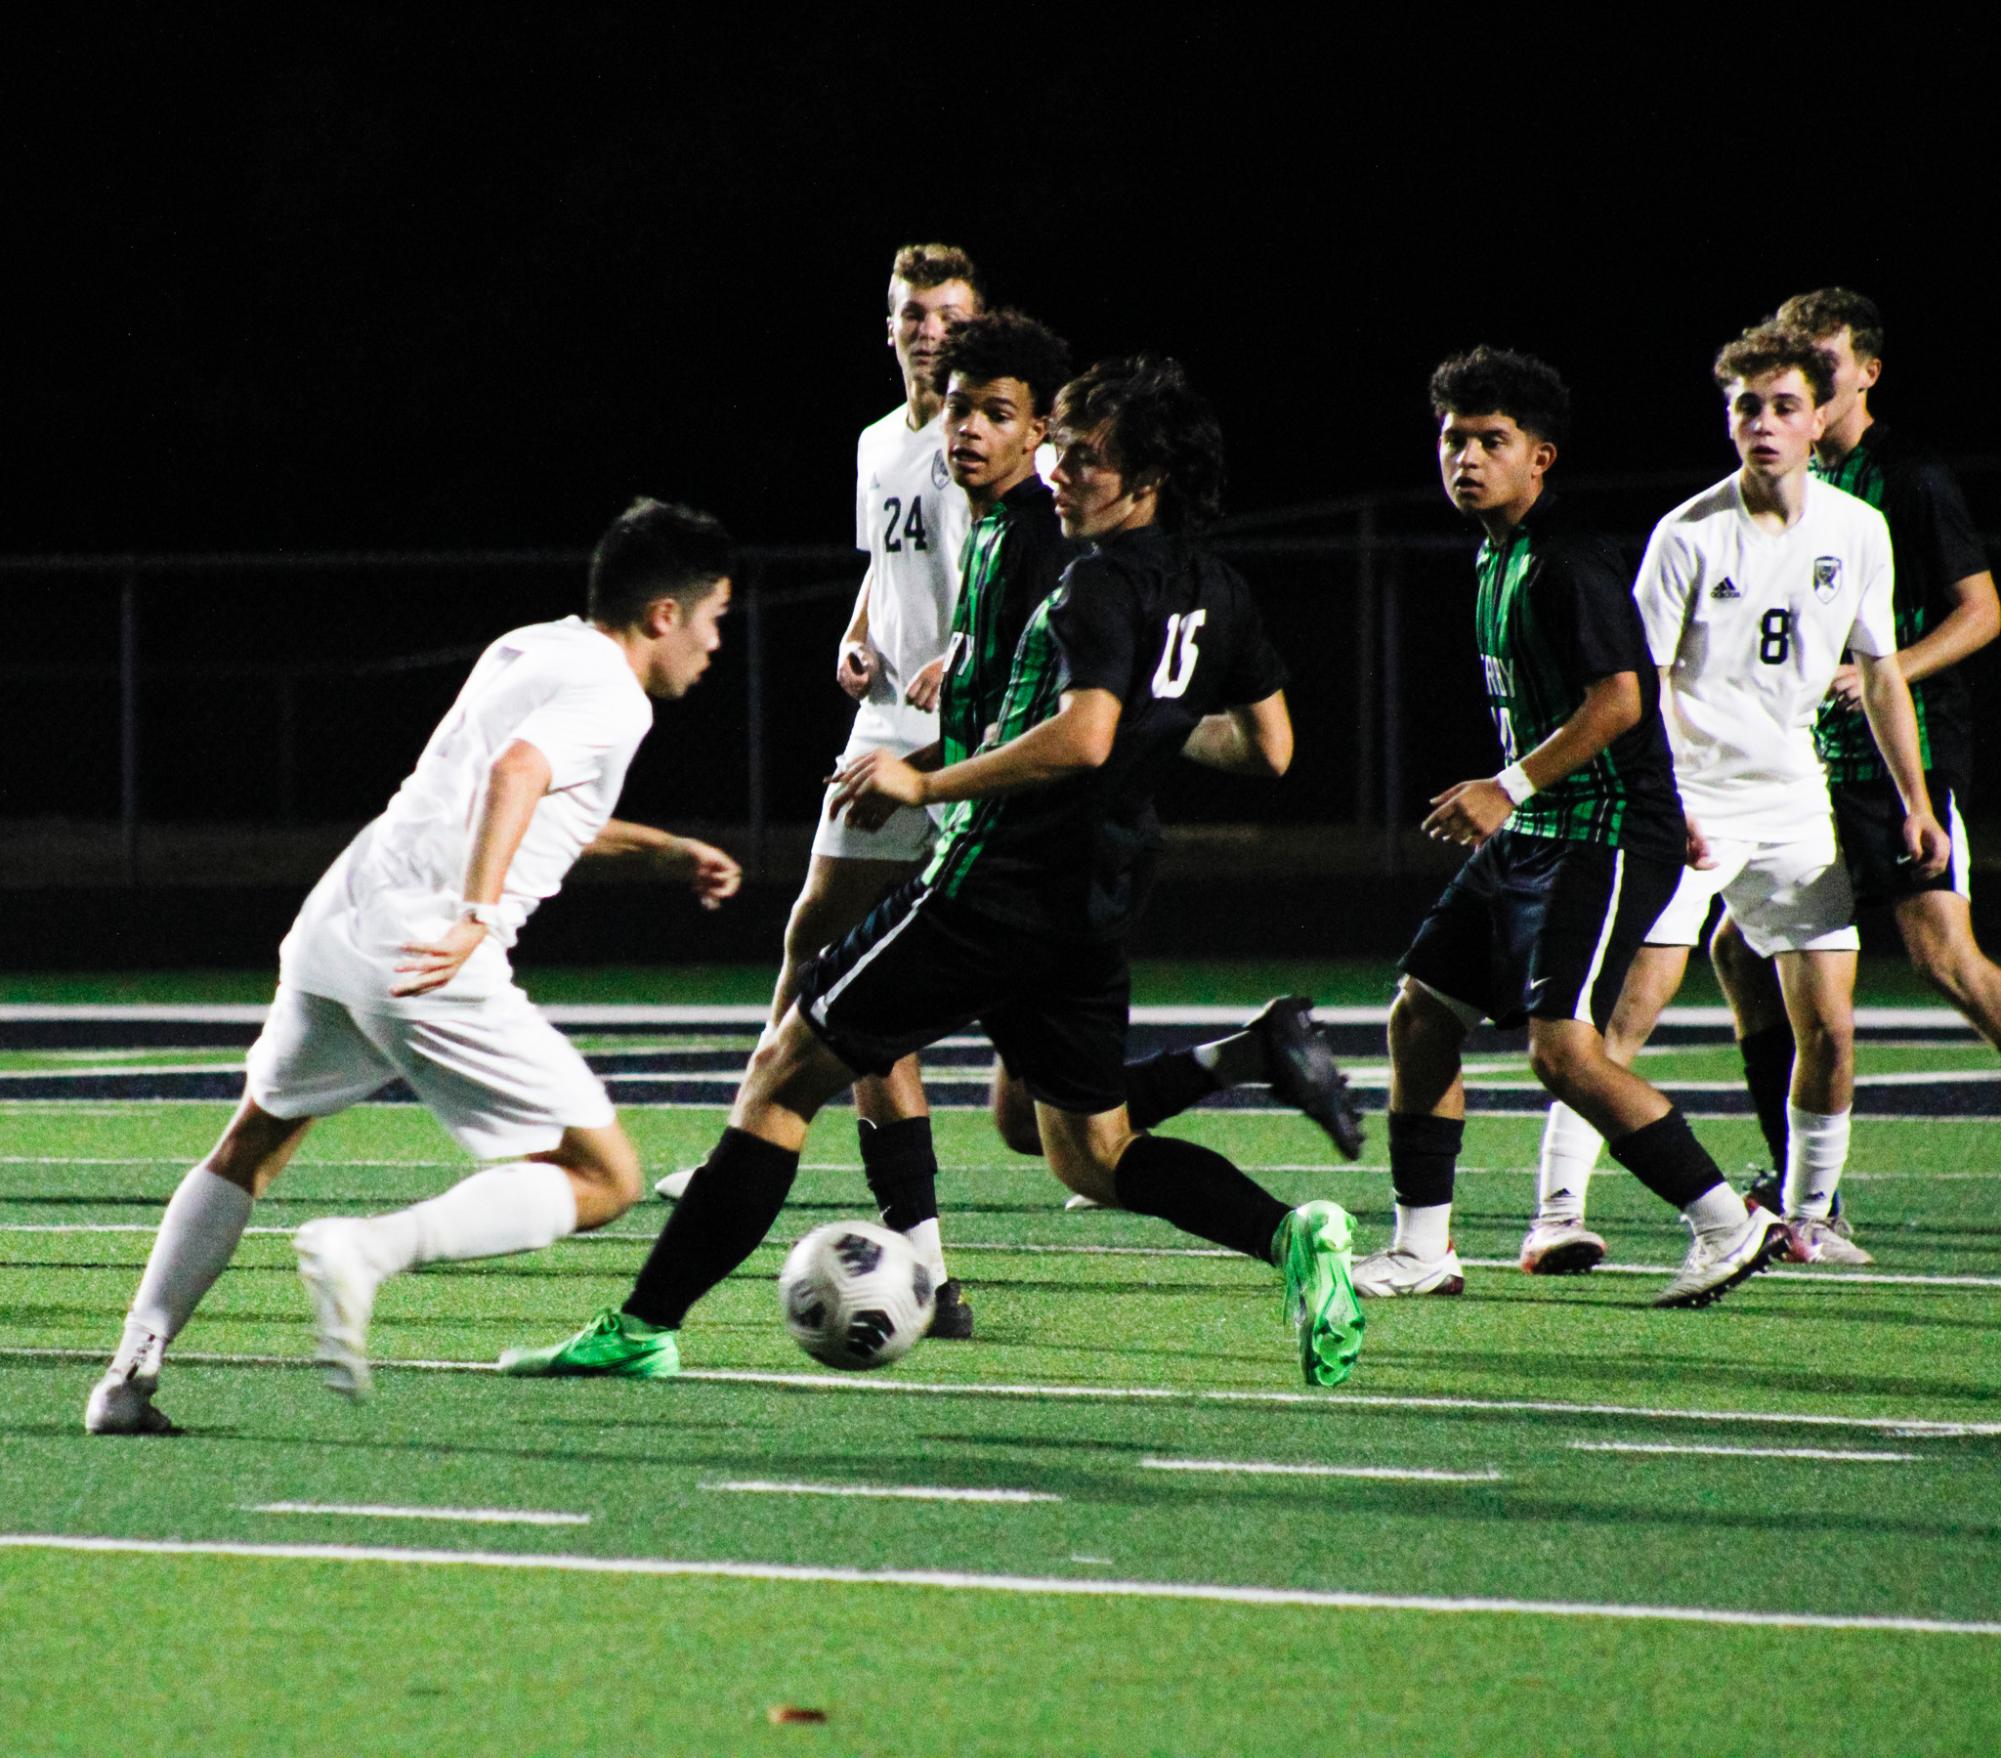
(939, 474)
(1826, 577)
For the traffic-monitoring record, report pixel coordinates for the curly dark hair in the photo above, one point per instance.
(1159, 432)
(1775, 347)
(932, 265)
(1830, 310)
(1498, 381)
(1006, 344)
(655, 549)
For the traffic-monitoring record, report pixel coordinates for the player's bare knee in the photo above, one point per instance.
(1421, 1020)
(1014, 1115)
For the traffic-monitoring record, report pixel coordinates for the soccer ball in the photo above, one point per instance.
(854, 1295)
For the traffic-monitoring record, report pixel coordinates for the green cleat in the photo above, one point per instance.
(1313, 1251)
(612, 1343)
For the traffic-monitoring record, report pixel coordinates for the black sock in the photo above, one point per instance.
(1200, 1192)
(1668, 1160)
(723, 1218)
(1164, 1086)
(902, 1170)
(1423, 1152)
(1768, 1072)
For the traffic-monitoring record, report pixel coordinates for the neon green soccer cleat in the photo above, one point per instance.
(612, 1343)
(1314, 1255)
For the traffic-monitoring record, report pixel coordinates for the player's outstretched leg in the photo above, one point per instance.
(197, 1237)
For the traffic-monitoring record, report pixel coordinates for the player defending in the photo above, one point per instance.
(1750, 593)
(1946, 611)
(1578, 843)
(397, 966)
(910, 520)
(1020, 920)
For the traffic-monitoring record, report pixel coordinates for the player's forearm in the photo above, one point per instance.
(1066, 744)
(1893, 723)
(1256, 740)
(857, 629)
(1973, 621)
(622, 839)
(515, 785)
(1611, 707)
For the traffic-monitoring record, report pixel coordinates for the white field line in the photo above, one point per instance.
(1832, 1456)
(952, 1581)
(464, 1516)
(1333, 1403)
(1272, 1468)
(890, 1492)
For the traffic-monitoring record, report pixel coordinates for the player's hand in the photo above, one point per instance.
(872, 813)
(875, 774)
(1697, 853)
(924, 687)
(855, 669)
(709, 873)
(1468, 813)
(432, 967)
(1846, 690)
(1928, 845)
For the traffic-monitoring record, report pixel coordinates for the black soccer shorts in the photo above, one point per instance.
(1869, 818)
(922, 966)
(1533, 927)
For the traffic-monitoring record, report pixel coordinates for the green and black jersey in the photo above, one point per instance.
(1175, 635)
(1555, 613)
(1933, 545)
(1015, 554)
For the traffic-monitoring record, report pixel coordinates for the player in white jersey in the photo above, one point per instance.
(1750, 593)
(397, 967)
(911, 521)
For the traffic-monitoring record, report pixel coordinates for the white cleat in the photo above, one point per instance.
(1382, 1275)
(1712, 1268)
(122, 1402)
(338, 1275)
(1819, 1240)
(1083, 1202)
(1560, 1248)
(674, 1186)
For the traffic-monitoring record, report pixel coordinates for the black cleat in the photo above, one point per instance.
(951, 1317)
(1301, 1069)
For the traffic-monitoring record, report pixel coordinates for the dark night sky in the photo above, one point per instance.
(325, 277)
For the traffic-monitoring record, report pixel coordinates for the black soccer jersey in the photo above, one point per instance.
(1015, 554)
(1933, 544)
(1175, 635)
(1555, 612)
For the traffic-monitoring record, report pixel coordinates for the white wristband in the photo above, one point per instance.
(1514, 782)
(487, 915)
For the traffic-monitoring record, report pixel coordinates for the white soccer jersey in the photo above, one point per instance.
(567, 690)
(1753, 624)
(911, 518)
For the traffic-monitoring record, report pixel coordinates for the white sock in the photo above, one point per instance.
(927, 1243)
(494, 1213)
(205, 1218)
(1718, 1213)
(1570, 1148)
(1816, 1152)
(1425, 1233)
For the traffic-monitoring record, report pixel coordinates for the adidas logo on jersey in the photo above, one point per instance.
(1725, 588)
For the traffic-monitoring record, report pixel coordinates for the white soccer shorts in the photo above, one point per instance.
(501, 1079)
(910, 830)
(1785, 896)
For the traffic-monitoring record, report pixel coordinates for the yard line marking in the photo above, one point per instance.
(1832, 1455)
(899, 1492)
(1271, 1468)
(954, 1581)
(381, 1511)
(1333, 1403)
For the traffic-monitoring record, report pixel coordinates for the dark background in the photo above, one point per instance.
(378, 277)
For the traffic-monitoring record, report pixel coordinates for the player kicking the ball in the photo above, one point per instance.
(397, 966)
(1578, 843)
(1151, 650)
(1751, 592)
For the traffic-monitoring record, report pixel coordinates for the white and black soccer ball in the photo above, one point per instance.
(854, 1295)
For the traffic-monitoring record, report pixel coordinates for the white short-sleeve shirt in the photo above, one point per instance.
(1752, 625)
(565, 688)
(911, 520)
